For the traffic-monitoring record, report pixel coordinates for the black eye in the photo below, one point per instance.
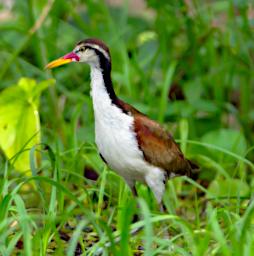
(82, 49)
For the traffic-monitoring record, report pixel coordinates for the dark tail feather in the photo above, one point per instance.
(194, 170)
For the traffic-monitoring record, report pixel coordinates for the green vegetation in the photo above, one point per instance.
(187, 64)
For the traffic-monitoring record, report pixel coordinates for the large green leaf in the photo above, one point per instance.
(228, 188)
(228, 139)
(19, 120)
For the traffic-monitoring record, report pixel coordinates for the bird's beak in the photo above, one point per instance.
(70, 57)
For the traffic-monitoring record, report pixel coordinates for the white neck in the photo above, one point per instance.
(105, 111)
(100, 96)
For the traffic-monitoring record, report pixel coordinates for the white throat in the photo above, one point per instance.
(98, 88)
(102, 103)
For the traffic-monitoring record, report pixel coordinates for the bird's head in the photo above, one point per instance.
(91, 51)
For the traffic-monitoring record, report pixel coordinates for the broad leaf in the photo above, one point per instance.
(228, 188)
(228, 139)
(19, 120)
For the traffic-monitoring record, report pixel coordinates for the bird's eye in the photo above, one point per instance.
(82, 49)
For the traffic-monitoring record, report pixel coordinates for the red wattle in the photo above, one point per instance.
(73, 56)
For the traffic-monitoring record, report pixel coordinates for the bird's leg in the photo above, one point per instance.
(134, 191)
(162, 207)
(135, 194)
(131, 185)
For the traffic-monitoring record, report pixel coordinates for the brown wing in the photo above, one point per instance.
(159, 148)
(157, 145)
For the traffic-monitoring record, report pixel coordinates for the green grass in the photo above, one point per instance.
(204, 49)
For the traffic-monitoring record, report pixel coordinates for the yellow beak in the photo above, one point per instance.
(58, 62)
(70, 57)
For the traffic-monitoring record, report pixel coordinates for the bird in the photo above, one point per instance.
(134, 146)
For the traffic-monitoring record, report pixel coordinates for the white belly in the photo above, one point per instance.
(117, 143)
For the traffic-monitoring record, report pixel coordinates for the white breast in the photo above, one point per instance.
(115, 137)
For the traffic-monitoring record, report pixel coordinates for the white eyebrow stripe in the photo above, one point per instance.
(97, 47)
